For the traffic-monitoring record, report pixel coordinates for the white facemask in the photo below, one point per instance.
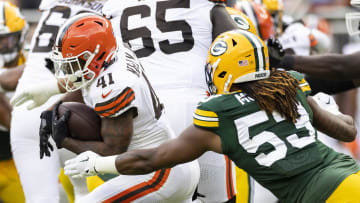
(353, 20)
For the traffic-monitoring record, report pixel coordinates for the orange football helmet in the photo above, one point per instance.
(259, 16)
(84, 47)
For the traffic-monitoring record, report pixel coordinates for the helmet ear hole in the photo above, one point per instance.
(222, 74)
(100, 23)
(80, 25)
(234, 42)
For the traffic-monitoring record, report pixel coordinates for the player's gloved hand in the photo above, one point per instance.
(37, 94)
(45, 132)
(276, 52)
(81, 166)
(60, 129)
(327, 103)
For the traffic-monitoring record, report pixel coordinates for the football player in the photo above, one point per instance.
(114, 84)
(39, 178)
(13, 29)
(263, 120)
(171, 40)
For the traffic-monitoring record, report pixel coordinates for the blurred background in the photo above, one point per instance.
(330, 18)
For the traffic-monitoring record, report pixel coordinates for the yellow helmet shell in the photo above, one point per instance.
(235, 57)
(11, 18)
(242, 20)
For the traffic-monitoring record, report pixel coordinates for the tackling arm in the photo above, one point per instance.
(329, 66)
(338, 126)
(191, 144)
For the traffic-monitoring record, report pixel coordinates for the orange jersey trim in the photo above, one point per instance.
(141, 189)
(114, 105)
(229, 179)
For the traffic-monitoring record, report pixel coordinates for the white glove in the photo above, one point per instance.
(327, 103)
(38, 94)
(89, 164)
(81, 166)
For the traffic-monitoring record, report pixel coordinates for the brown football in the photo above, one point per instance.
(84, 124)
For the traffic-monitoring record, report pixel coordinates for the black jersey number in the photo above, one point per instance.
(164, 26)
(49, 29)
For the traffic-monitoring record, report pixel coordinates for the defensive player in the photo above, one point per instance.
(162, 38)
(264, 121)
(39, 178)
(116, 87)
(13, 30)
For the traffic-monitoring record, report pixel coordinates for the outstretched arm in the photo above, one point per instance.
(328, 66)
(338, 126)
(191, 144)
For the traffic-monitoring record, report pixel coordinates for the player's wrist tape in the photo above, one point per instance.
(106, 165)
(287, 62)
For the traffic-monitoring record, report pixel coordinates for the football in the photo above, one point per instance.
(84, 124)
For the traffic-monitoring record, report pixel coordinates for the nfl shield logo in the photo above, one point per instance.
(243, 63)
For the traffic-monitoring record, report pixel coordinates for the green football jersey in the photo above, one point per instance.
(282, 156)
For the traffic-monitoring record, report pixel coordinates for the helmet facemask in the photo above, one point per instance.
(353, 19)
(209, 76)
(73, 72)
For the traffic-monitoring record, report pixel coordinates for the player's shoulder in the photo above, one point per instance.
(210, 110)
(114, 8)
(221, 104)
(91, 6)
(112, 92)
(303, 84)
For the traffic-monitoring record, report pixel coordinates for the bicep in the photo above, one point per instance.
(190, 145)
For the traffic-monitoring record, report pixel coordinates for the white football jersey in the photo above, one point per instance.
(170, 38)
(54, 14)
(122, 86)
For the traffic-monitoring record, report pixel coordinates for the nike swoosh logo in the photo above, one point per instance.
(328, 101)
(105, 95)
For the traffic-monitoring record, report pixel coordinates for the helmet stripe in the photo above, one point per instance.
(258, 50)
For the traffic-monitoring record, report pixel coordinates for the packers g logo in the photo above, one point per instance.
(241, 22)
(219, 48)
